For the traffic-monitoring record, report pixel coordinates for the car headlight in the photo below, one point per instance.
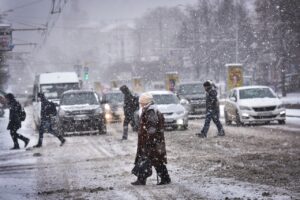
(98, 111)
(107, 107)
(280, 106)
(61, 113)
(180, 112)
(245, 108)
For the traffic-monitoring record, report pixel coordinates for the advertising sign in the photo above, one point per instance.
(5, 37)
(234, 76)
(137, 85)
(172, 80)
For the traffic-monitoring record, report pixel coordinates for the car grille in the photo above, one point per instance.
(82, 112)
(264, 117)
(263, 109)
(168, 114)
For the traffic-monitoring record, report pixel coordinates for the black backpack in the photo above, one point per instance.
(52, 108)
(22, 114)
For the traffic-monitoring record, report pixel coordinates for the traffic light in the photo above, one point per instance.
(86, 76)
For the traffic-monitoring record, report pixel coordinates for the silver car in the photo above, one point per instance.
(253, 104)
(176, 116)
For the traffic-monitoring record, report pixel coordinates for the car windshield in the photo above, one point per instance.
(189, 89)
(165, 99)
(54, 91)
(114, 97)
(256, 93)
(79, 99)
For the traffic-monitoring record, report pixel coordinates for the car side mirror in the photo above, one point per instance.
(233, 99)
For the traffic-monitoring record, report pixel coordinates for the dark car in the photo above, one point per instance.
(194, 93)
(81, 112)
(113, 105)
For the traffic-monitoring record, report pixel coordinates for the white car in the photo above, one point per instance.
(253, 104)
(176, 116)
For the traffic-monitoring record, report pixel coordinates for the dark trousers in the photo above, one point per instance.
(212, 115)
(15, 136)
(46, 126)
(128, 119)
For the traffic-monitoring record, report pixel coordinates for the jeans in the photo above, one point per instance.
(212, 115)
(46, 126)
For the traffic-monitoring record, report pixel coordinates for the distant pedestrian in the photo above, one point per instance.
(212, 110)
(48, 111)
(15, 118)
(151, 148)
(130, 106)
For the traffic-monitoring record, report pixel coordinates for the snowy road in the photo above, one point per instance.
(250, 162)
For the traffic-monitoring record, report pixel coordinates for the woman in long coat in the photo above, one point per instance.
(151, 140)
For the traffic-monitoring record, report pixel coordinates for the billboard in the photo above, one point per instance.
(5, 37)
(234, 75)
(172, 80)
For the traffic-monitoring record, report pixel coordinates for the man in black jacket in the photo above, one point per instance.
(14, 123)
(130, 106)
(48, 110)
(212, 110)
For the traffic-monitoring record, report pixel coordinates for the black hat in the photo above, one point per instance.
(41, 95)
(207, 84)
(9, 96)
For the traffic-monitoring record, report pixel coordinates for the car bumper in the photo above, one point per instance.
(178, 121)
(81, 123)
(254, 117)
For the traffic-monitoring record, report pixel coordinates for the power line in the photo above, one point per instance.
(24, 5)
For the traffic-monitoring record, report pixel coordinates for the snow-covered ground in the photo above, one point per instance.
(98, 167)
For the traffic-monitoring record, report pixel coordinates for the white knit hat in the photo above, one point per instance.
(146, 98)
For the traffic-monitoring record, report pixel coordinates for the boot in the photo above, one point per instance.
(26, 142)
(39, 144)
(63, 141)
(139, 181)
(165, 180)
(15, 147)
(221, 133)
(24, 139)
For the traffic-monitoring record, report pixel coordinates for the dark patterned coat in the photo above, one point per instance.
(212, 102)
(14, 115)
(151, 140)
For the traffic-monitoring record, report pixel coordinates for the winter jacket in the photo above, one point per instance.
(212, 103)
(151, 140)
(48, 109)
(14, 115)
(130, 102)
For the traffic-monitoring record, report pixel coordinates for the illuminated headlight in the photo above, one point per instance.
(107, 116)
(244, 108)
(246, 115)
(180, 112)
(61, 113)
(107, 107)
(180, 122)
(280, 106)
(282, 113)
(98, 111)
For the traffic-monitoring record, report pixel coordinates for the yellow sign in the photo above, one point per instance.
(137, 85)
(172, 80)
(234, 76)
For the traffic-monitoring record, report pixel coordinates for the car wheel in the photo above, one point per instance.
(185, 127)
(227, 121)
(281, 121)
(238, 119)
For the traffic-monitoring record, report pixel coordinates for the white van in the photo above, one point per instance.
(52, 85)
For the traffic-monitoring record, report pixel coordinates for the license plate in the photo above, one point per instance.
(198, 110)
(79, 118)
(265, 114)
